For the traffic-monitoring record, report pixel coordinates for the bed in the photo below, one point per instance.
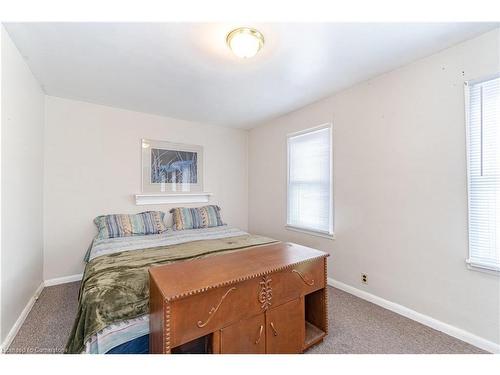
(113, 302)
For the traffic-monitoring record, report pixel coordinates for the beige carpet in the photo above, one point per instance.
(356, 326)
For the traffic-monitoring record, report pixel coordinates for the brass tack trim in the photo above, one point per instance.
(326, 317)
(167, 328)
(238, 280)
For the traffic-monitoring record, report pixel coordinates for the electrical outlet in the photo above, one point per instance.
(364, 278)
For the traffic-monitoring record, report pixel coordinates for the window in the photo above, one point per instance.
(310, 206)
(483, 169)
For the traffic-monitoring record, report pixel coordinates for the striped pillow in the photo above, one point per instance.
(149, 222)
(194, 218)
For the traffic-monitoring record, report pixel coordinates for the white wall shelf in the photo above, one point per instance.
(144, 199)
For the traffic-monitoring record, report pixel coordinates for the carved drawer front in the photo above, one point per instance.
(297, 281)
(247, 336)
(207, 312)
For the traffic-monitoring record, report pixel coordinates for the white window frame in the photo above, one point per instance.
(475, 266)
(325, 234)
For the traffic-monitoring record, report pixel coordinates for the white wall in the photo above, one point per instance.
(22, 183)
(93, 167)
(399, 186)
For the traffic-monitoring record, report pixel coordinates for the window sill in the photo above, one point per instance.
(492, 270)
(311, 232)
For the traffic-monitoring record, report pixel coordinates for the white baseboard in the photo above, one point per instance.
(453, 331)
(63, 280)
(19, 322)
(399, 309)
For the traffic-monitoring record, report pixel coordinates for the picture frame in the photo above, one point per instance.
(169, 167)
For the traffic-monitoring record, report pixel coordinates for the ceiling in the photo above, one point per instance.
(186, 71)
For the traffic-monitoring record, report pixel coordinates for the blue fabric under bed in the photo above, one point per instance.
(139, 345)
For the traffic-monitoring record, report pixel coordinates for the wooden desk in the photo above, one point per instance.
(267, 299)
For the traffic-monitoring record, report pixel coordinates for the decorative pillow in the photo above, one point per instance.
(149, 222)
(194, 218)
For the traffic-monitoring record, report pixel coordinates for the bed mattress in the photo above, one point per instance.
(118, 267)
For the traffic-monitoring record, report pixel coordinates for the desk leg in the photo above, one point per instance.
(216, 342)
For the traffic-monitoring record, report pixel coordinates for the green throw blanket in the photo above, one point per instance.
(115, 287)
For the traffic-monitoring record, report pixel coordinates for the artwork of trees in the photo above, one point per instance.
(172, 166)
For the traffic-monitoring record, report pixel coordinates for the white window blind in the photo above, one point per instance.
(483, 159)
(310, 204)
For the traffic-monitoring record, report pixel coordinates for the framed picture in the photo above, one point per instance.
(171, 167)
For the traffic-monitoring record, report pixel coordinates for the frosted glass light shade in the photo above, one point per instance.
(245, 42)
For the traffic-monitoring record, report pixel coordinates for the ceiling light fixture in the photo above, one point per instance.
(245, 42)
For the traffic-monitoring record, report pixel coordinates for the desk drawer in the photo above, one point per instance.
(297, 281)
(207, 312)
